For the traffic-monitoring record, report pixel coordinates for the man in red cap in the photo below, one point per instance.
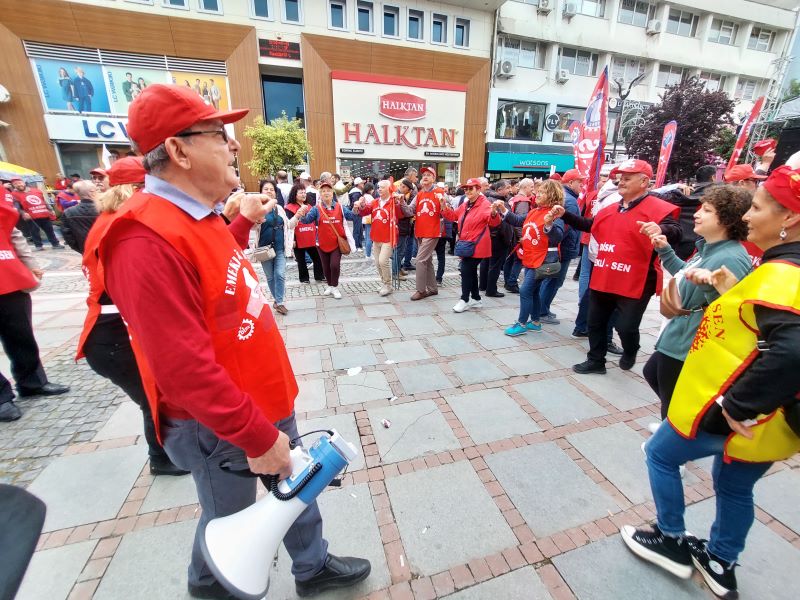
(743, 176)
(36, 210)
(624, 277)
(99, 178)
(221, 389)
(428, 228)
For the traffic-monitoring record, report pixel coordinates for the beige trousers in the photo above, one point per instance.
(426, 275)
(382, 252)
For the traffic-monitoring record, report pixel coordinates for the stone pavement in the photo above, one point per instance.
(502, 475)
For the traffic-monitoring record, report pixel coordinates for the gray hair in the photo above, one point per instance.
(483, 180)
(384, 183)
(84, 188)
(325, 176)
(525, 181)
(411, 171)
(156, 159)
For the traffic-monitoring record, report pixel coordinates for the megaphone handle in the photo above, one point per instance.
(273, 483)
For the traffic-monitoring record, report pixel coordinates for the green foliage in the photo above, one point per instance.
(280, 145)
(792, 90)
(724, 142)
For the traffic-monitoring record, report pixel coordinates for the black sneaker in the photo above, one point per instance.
(718, 574)
(627, 361)
(588, 367)
(669, 553)
(577, 333)
(614, 349)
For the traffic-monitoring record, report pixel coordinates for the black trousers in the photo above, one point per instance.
(302, 267)
(661, 372)
(16, 335)
(491, 267)
(601, 306)
(469, 278)
(45, 225)
(441, 248)
(109, 354)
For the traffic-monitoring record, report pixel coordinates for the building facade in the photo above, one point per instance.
(549, 54)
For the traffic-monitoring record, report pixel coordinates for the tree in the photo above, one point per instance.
(724, 142)
(280, 145)
(700, 115)
(792, 90)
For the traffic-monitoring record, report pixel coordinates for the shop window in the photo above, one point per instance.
(761, 39)
(261, 9)
(292, 11)
(670, 75)
(746, 89)
(365, 23)
(416, 24)
(566, 115)
(682, 22)
(438, 29)
(283, 94)
(578, 62)
(338, 14)
(519, 120)
(462, 33)
(723, 32)
(210, 6)
(391, 21)
(176, 4)
(626, 69)
(713, 82)
(636, 12)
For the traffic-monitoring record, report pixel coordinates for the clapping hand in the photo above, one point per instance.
(254, 206)
(556, 212)
(498, 206)
(722, 279)
(649, 228)
(659, 240)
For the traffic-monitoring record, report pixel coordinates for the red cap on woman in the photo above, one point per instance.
(783, 184)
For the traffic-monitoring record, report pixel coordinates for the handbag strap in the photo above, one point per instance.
(338, 237)
(463, 220)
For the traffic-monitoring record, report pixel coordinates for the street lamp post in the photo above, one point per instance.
(622, 97)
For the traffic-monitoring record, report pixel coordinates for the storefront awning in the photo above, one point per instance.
(9, 171)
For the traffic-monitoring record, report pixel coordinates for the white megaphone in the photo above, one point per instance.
(239, 548)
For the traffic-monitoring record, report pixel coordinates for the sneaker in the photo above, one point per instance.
(612, 348)
(336, 293)
(513, 289)
(475, 303)
(531, 326)
(328, 291)
(549, 320)
(587, 367)
(516, 329)
(439, 280)
(460, 306)
(385, 290)
(577, 334)
(719, 575)
(39, 248)
(653, 427)
(669, 553)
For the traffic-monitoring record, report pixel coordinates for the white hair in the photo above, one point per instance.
(483, 180)
(384, 183)
(526, 181)
(794, 161)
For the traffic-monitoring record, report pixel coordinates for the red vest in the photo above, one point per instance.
(624, 254)
(8, 197)
(429, 214)
(384, 221)
(305, 236)
(586, 211)
(32, 201)
(327, 238)
(754, 252)
(14, 275)
(93, 271)
(243, 331)
(533, 246)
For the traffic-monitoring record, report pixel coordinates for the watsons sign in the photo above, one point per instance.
(77, 128)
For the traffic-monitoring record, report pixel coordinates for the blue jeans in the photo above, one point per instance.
(367, 241)
(358, 232)
(511, 270)
(551, 286)
(275, 270)
(411, 250)
(733, 484)
(582, 320)
(529, 293)
(399, 254)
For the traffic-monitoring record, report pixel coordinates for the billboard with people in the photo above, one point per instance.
(125, 83)
(213, 89)
(72, 86)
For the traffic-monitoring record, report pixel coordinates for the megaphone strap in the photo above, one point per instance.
(273, 483)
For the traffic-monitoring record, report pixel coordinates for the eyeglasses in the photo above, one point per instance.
(220, 132)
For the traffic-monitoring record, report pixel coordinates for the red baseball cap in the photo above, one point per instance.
(472, 182)
(633, 165)
(161, 111)
(323, 184)
(126, 170)
(764, 146)
(99, 170)
(741, 173)
(783, 184)
(571, 175)
(555, 177)
(430, 170)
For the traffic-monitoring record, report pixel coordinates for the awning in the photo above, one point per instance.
(9, 171)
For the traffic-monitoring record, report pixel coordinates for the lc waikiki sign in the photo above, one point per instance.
(382, 117)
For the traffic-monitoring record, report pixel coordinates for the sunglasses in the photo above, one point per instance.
(220, 132)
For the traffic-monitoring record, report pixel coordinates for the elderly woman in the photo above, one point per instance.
(276, 231)
(736, 397)
(305, 235)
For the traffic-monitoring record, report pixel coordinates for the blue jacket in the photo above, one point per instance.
(571, 244)
(272, 232)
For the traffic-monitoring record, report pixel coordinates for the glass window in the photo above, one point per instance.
(636, 12)
(682, 23)
(175, 3)
(592, 8)
(365, 17)
(761, 39)
(578, 62)
(439, 29)
(462, 33)
(626, 69)
(723, 32)
(338, 14)
(746, 89)
(291, 11)
(566, 115)
(713, 82)
(511, 51)
(261, 9)
(517, 120)
(531, 55)
(283, 94)
(391, 17)
(670, 75)
(210, 6)
(416, 20)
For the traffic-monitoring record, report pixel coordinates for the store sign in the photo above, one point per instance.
(391, 118)
(551, 121)
(279, 49)
(523, 161)
(76, 128)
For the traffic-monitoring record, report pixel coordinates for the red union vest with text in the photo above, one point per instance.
(429, 214)
(33, 202)
(14, 275)
(534, 242)
(327, 238)
(243, 331)
(305, 236)
(384, 222)
(624, 254)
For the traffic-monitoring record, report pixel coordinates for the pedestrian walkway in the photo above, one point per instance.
(502, 474)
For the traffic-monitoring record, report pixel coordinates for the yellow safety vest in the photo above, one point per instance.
(724, 346)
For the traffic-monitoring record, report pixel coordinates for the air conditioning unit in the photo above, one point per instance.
(505, 69)
(570, 10)
(545, 6)
(654, 27)
(563, 76)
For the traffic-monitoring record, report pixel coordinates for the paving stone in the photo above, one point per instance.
(363, 387)
(311, 395)
(353, 356)
(374, 299)
(405, 351)
(303, 337)
(607, 570)
(503, 316)
(476, 370)
(85, 488)
(619, 389)
(525, 362)
(471, 320)
(125, 422)
(522, 584)
(616, 452)
(435, 535)
(537, 338)
(422, 378)
(71, 318)
(169, 492)
(380, 310)
(495, 339)
(417, 428)
(340, 315)
(351, 529)
(507, 418)
(52, 573)
(550, 491)
(566, 356)
(779, 495)
(452, 345)
(301, 304)
(369, 329)
(53, 338)
(422, 325)
(299, 317)
(145, 551)
(345, 424)
(305, 363)
(559, 401)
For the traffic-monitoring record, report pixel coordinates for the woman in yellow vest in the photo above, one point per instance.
(736, 398)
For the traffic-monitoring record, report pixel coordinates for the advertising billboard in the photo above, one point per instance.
(124, 84)
(213, 89)
(71, 86)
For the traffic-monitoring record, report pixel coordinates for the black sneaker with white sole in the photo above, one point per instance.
(669, 553)
(719, 575)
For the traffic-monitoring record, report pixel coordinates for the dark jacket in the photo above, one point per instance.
(271, 232)
(688, 206)
(405, 225)
(571, 244)
(506, 230)
(76, 222)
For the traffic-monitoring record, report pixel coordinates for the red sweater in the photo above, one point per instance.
(479, 219)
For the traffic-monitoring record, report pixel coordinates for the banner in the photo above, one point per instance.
(667, 142)
(125, 83)
(213, 89)
(69, 86)
(592, 144)
(745, 132)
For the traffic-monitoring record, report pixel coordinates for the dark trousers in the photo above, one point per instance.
(441, 249)
(16, 335)
(45, 225)
(109, 354)
(491, 267)
(409, 252)
(331, 264)
(399, 253)
(358, 232)
(26, 227)
(302, 267)
(469, 279)
(512, 267)
(193, 447)
(661, 372)
(630, 311)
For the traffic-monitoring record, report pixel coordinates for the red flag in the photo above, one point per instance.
(745, 132)
(667, 142)
(590, 153)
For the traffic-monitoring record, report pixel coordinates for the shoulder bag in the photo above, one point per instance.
(551, 268)
(464, 248)
(671, 304)
(344, 245)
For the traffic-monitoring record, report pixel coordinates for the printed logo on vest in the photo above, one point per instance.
(246, 330)
(427, 207)
(712, 325)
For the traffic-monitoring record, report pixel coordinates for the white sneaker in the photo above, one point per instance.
(336, 293)
(475, 303)
(328, 291)
(653, 427)
(460, 306)
(385, 291)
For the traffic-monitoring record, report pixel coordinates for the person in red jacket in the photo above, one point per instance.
(474, 217)
(33, 203)
(428, 228)
(66, 198)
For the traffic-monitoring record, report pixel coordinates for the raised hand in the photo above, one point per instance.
(649, 228)
(557, 212)
(659, 240)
